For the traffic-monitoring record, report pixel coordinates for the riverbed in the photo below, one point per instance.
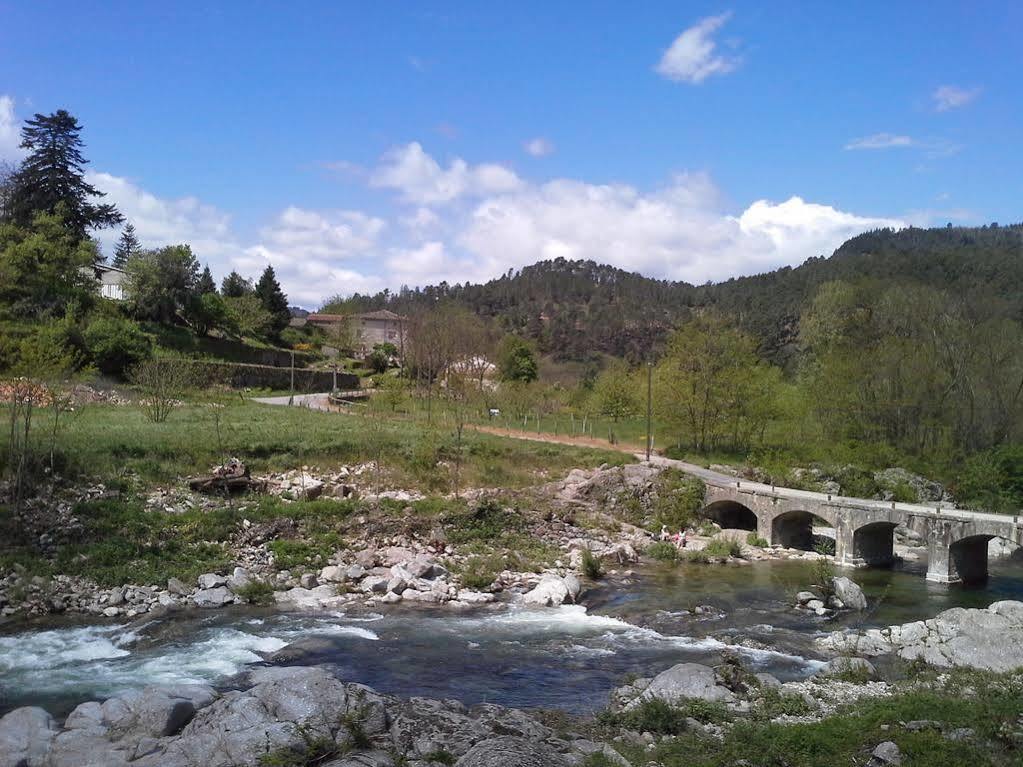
(566, 658)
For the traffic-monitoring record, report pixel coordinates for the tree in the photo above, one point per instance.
(7, 171)
(712, 389)
(205, 285)
(270, 295)
(52, 178)
(161, 283)
(247, 317)
(235, 286)
(44, 270)
(615, 393)
(128, 246)
(516, 360)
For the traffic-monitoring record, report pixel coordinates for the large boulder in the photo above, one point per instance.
(511, 752)
(320, 598)
(685, 681)
(549, 592)
(990, 639)
(25, 736)
(154, 711)
(849, 592)
(214, 597)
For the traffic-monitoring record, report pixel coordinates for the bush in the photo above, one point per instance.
(662, 718)
(663, 551)
(116, 345)
(723, 547)
(679, 498)
(591, 566)
(161, 383)
(256, 593)
(755, 540)
(481, 572)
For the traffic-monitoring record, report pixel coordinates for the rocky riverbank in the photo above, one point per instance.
(285, 716)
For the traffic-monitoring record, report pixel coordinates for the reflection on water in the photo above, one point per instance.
(564, 658)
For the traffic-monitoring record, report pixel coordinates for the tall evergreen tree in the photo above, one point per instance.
(235, 286)
(270, 295)
(205, 285)
(52, 178)
(128, 246)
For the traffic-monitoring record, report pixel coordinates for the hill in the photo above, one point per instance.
(576, 308)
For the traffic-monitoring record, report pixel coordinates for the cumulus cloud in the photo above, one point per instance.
(679, 232)
(948, 97)
(159, 221)
(684, 230)
(420, 179)
(693, 56)
(539, 147)
(10, 131)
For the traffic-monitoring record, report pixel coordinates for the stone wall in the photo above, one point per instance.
(240, 376)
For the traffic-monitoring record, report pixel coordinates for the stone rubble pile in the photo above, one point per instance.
(844, 594)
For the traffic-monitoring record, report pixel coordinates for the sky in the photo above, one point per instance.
(363, 146)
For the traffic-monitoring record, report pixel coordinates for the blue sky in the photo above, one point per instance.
(360, 146)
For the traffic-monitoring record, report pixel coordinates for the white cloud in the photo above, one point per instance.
(881, 141)
(948, 97)
(933, 148)
(693, 56)
(160, 221)
(420, 179)
(10, 131)
(684, 231)
(539, 147)
(677, 233)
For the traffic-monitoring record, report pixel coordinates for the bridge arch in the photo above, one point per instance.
(874, 543)
(730, 515)
(968, 558)
(793, 529)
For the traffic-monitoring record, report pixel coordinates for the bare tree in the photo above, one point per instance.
(161, 382)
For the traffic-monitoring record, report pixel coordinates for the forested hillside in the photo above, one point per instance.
(574, 308)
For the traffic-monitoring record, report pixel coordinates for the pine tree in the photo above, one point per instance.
(128, 246)
(205, 285)
(270, 295)
(52, 178)
(235, 286)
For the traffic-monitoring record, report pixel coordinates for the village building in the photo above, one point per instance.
(112, 281)
(368, 328)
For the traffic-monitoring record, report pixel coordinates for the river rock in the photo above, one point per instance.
(990, 639)
(239, 579)
(211, 580)
(574, 586)
(319, 598)
(549, 592)
(849, 592)
(25, 736)
(154, 711)
(174, 586)
(684, 681)
(333, 574)
(213, 597)
(511, 752)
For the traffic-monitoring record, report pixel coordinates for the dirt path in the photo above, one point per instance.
(558, 439)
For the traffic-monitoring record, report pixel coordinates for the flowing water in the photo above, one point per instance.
(567, 658)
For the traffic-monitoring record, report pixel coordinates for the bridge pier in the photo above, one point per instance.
(962, 561)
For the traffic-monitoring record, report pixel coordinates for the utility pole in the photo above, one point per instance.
(649, 405)
(291, 398)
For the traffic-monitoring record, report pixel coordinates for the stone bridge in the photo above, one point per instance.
(957, 539)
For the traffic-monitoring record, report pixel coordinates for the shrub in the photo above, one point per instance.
(662, 718)
(116, 345)
(679, 497)
(755, 540)
(592, 568)
(723, 547)
(822, 574)
(480, 572)
(775, 703)
(663, 551)
(161, 383)
(256, 592)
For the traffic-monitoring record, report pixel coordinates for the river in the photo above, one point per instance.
(567, 658)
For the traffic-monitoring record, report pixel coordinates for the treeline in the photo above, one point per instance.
(53, 319)
(572, 309)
